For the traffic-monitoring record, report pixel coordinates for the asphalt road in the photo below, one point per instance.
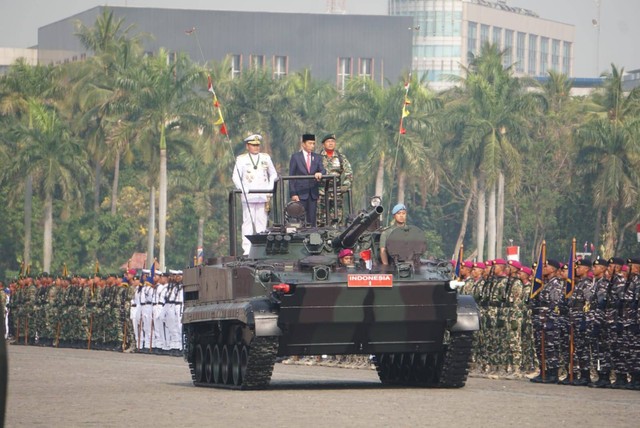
(51, 387)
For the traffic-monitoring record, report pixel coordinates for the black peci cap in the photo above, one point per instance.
(308, 137)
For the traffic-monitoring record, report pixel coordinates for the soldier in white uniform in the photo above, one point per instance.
(146, 305)
(253, 171)
(159, 298)
(136, 313)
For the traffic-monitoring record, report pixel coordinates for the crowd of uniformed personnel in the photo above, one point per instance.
(131, 311)
(587, 334)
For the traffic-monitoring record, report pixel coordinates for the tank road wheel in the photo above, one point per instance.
(226, 365)
(208, 366)
(235, 366)
(216, 364)
(244, 361)
(199, 358)
(408, 373)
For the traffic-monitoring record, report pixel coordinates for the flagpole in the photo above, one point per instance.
(223, 127)
(401, 132)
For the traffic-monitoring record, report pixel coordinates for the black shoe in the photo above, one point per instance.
(602, 382)
(552, 376)
(537, 379)
(585, 379)
(620, 382)
(635, 382)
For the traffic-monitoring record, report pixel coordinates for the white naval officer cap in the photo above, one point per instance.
(175, 272)
(253, 139)
(146, 271)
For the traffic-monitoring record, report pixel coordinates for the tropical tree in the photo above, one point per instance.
(56, 161)
(611, 150)
(21, 89)
(168, 105)
(489, 119)
(101, 93)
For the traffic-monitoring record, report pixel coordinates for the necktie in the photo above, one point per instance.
(308, 162)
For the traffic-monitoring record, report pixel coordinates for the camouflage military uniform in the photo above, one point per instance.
(630, 339)
(615, 326)
(578, 306)
(335, 165)
(546, 313)
(515, 308)
(596, 328)
(529, 355)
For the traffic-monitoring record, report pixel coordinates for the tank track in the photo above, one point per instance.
(447, 369)
(455, 368)
(262, 358)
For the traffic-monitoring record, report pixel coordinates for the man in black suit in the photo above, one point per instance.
(306, 162)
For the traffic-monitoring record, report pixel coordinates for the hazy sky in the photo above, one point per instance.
(619, 30)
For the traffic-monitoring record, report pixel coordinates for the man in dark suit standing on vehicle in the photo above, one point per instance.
(306, 162)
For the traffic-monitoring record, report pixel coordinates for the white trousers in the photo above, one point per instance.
(259, 216)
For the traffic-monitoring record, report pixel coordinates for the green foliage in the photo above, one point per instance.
(570, 163)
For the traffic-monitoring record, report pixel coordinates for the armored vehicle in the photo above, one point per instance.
(291, 297)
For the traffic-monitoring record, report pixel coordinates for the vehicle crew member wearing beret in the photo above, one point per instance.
(253, 171)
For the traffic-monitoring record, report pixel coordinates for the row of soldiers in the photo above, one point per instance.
(582, 326)
(134, 311)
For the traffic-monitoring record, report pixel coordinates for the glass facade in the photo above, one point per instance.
(520, 52)
(472, 37)
(484, 34)
(508, 48)
(443, 40)
(496, 37)
(555, 55)
(344, 72)
(366, 68)
(236, 65)
(279, 66)
(533, 55)
(566, 58)
(544, 55)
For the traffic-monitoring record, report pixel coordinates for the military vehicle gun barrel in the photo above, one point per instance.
(349, 237)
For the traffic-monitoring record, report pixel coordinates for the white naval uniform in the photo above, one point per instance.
(146, 302)
(136, 315)
(257, 173)
(159, 297)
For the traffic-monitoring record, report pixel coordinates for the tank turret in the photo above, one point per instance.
(291, 296)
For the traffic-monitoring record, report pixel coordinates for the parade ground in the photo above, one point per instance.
(52, 387)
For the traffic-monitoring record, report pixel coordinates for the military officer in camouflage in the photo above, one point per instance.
(253, 171)
(335, 163)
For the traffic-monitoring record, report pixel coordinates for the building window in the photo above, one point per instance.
(520, 50)
(257, 62)
(508, 48)
(472, 37)
(236, 66)
(366, 68)
(533, 55)
(280, 65)
(544, 55)
(344, 72)
(566, 58)
(555, 55)
(497, 37)
(484, 34)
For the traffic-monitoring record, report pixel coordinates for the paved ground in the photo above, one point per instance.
(68, 388)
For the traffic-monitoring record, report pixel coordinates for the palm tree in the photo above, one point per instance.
(168, 104)
(490, 120)
(102, 97)
(610, 147)
(21, 87)
(56, 161)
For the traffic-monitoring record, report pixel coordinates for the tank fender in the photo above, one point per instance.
(265, 318)
(468, 316)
